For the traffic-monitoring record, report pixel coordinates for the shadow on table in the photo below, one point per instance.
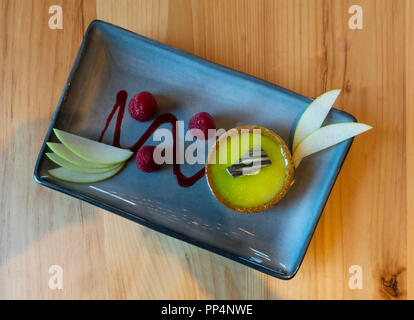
(29, 211)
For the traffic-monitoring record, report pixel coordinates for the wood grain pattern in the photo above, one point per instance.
(409, 96)
(39, 227)
(303, 45)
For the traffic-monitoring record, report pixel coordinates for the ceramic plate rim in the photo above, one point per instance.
(152, 225)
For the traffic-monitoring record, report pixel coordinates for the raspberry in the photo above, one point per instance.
(145, 159)
(142, 106)
(201, 121)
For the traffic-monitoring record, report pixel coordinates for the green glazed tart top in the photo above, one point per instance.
(249, 193)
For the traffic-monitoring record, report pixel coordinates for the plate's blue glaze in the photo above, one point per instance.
(111, 59)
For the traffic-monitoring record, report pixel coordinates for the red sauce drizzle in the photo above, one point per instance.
(121, 99)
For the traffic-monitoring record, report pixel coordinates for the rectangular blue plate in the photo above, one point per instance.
(110, 59)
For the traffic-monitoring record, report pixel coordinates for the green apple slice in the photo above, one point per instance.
(70, 166)
(77, 177)
(91, 150)
(314, 115)
(64, 153)
(326, 137)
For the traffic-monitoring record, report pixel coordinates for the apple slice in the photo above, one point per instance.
(314, 115)
(64, 153)
(91, 150)
(326, 137)
(72, 176)
(70, 166)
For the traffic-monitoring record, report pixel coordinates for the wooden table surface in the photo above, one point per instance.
(303, 45)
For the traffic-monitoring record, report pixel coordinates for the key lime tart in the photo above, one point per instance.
(249, 169)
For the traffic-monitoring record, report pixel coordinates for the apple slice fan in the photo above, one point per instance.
(310, 137)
